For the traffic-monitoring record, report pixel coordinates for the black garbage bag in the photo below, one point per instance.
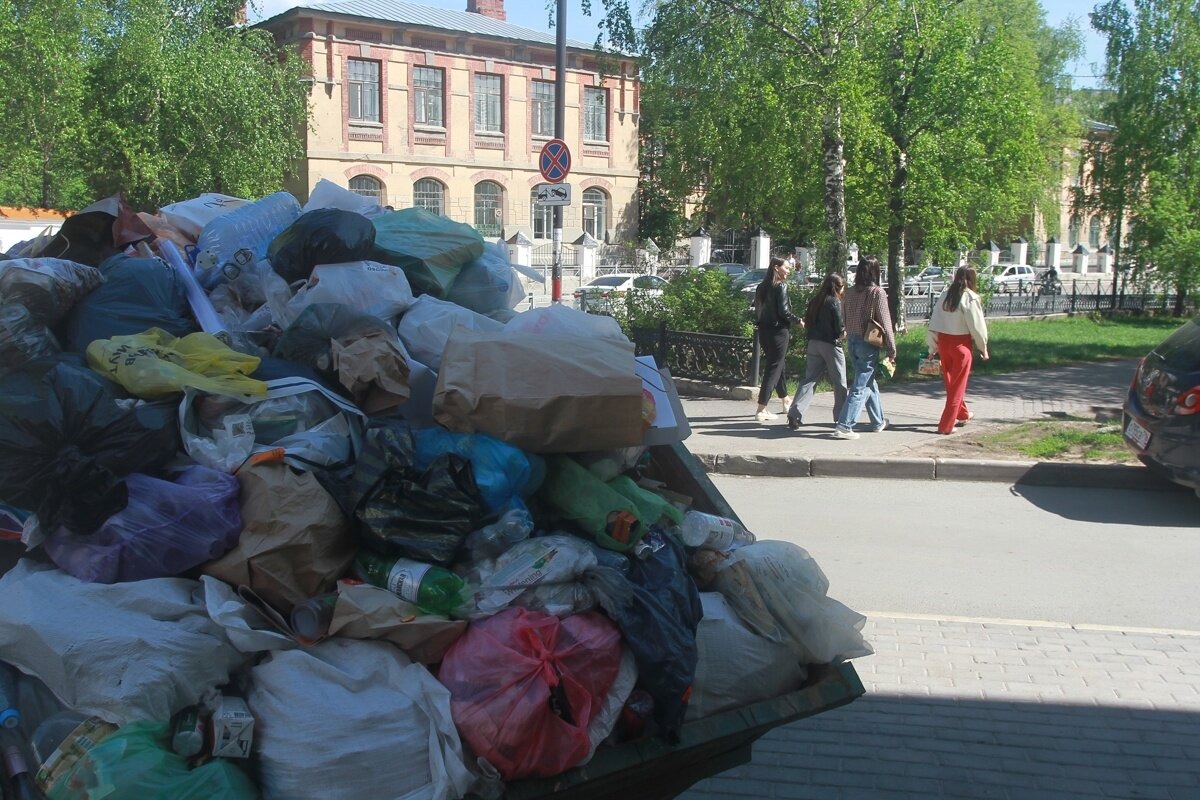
(402, 510)
(308, 340)
(659, 627)
(137, 294)
(47, 287)
(321, 236)
(66, 444)
(23, 338)
(98, 232)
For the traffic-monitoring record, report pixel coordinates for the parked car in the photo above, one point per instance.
(1020, 278)
(930, 280)
(1162, 412)
(601, 292)
(732, 270)
(749, 279)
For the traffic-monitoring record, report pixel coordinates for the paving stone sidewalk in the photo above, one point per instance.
(977, 709)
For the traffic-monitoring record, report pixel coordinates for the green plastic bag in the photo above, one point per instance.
(134, 763)
(581, 497)
(651, 507)
(430, 249)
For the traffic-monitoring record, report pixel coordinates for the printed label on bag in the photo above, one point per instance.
(405, 579)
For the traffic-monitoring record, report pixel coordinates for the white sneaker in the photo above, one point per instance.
(838, 433)
(785, 403)
(765, 416)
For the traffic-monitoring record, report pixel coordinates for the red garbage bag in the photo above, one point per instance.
(524, 686)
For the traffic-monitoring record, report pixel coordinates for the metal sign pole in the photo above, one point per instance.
(560, 124)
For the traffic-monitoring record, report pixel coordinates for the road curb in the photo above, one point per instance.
(1026, 473)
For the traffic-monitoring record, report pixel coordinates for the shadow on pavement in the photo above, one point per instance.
(1167, 504)
(899, 746)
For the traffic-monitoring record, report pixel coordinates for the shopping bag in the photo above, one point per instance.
(155, 364)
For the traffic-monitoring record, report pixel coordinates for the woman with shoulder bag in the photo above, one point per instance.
(825, 358)
(774, 318)
(869, 333)
(957, 322)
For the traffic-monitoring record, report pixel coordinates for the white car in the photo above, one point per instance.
(600, 293)
(1015, 278)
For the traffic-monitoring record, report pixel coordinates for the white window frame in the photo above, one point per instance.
(489, 103)
(541, 101)
(595, 213)
(595, 114)
(433, 202)
(363, 89)
(429, 93)
(541, 218)
(489, 217)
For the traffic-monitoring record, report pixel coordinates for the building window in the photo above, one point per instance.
(489, 205)
(542, 98)
(427, 96)
(364, 90)
(595, 213)
(429, 195)
(541, 217)
(1094, 233)
(367, 186)
(595, 114)
(488, 115)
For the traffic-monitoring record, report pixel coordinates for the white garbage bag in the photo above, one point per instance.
(349, 718)
(566, 321)
(380, 290)
(426, 327)
(140, 650)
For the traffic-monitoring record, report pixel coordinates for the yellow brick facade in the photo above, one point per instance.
(397, 151)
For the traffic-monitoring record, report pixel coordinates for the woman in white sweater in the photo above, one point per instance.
(957, 322)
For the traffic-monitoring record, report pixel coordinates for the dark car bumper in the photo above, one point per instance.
(1174, 446)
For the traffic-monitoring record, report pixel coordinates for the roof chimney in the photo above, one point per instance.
(488, 8)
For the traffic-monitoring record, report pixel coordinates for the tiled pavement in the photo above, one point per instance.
(978, 709)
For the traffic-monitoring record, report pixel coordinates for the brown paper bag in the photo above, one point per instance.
(374, 370)
(368, 612)
(295, 541)
(544, 394)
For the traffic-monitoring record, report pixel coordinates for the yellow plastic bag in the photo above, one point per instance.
(156, 364)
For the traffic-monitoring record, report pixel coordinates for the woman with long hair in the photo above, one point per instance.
(773, 318)
(865, 301)
(825, 358)
(957, 322)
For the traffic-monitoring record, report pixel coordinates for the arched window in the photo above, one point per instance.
(595, 213)
(367, 186)
(541, 217)
(1094, 233)
(489, 208)
(429, 195)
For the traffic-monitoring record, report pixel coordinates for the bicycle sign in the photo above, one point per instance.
(555, 161)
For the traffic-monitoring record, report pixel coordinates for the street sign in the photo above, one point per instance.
(555, 161)
(554, 194)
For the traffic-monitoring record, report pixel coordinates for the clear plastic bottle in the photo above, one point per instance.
(249, 227)
(710, 532)
(432, 589)
(310, 619)
(52, 732)
(10, 714)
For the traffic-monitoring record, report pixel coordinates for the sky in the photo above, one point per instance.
(533, 14)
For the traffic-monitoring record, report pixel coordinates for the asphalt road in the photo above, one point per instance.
(989, 550)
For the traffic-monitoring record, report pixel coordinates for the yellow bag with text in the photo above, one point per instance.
(155, 364)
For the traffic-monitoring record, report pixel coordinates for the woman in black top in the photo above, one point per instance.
(773, 313)
(823, 323)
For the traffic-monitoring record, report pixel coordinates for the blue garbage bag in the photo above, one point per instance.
(502, 471)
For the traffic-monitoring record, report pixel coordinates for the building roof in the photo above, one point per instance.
(441, 18)
(12, 214)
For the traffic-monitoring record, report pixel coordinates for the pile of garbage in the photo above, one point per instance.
(296, 506)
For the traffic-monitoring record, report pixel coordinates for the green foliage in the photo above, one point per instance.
(697, 300)
(160, 99)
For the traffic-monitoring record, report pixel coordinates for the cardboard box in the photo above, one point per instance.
(233, 728)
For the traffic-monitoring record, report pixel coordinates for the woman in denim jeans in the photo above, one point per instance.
(867, 295)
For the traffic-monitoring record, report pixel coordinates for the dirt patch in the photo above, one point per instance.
(1092, 438)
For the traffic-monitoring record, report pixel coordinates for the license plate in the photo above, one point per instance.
(1135, 433)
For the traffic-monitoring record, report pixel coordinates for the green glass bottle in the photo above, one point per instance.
(432, 589)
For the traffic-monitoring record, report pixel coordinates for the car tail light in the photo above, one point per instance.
(1188, 403)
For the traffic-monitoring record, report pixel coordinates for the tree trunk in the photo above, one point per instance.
(1180, 300)
(895, 256)
(833, 166)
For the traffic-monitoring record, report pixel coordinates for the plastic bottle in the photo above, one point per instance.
(250, 227)
(10, 715)
(20, 783)
(432, 589)
(310, 619)
(711, 532)
(53, 731)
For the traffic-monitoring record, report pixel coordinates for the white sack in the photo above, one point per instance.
(566, 321)
(140, 650)
(380, 290)
(244, 624)
(190, 216)
(350, 718)
(426, 327)
(327, 194)
(736, 667)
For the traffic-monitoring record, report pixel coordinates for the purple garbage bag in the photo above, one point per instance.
(168, 527)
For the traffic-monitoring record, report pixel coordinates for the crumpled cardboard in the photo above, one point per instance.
(562, 394)
(295, 541)
(369, 612)
(375, 371)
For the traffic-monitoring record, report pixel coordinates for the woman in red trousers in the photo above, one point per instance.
(957, 323)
